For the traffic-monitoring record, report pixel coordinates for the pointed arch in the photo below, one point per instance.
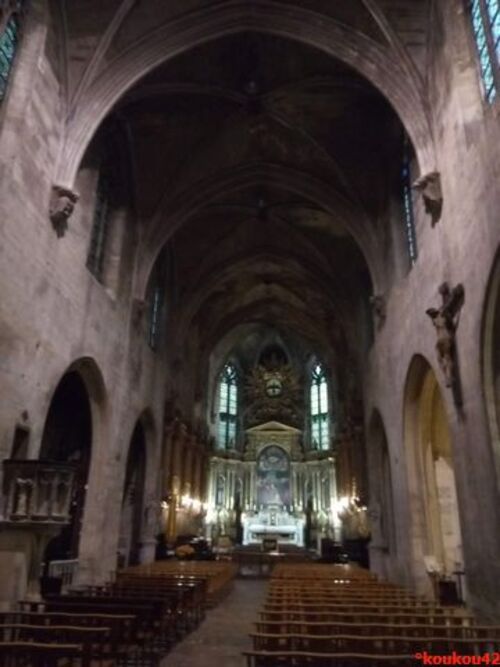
(491, 358)
(383, 529)
(132, 506)
(435, 531)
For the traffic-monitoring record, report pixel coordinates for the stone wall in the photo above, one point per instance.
(460, 249)
(54, 314)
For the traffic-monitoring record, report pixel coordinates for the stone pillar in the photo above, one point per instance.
(206, 476)
(186, 488)
(210, 492)
(232, 486)
(252, 494)
(248, 492)
(197, 490)
(178, 438)
(147, 551)
(167, 458)
(294, 499)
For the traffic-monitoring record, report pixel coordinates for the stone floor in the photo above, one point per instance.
(223, 635)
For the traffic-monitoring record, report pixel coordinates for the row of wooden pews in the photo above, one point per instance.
(131, 622)
(321, 615)
(219, 575)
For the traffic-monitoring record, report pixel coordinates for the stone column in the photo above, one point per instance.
(246, 482)
(167, 457)
(252, 494)
(294, 498)
(186, 488)
(205, 476)
(175, 479)
(210, 492)
(197, 490)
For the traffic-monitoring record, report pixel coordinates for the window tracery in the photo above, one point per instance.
(100, 226)
(485, 16)
(10, 24)
(157, 288)
(409, 214)
(320, 419)
(228, 407)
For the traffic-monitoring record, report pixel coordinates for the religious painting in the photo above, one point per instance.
(273, 477)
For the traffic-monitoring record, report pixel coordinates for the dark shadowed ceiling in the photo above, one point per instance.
(271, 169)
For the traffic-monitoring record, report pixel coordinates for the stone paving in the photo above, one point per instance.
(223, 635)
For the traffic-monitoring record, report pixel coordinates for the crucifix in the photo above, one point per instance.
(445, 320)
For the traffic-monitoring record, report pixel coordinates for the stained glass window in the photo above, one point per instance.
(228, 407)
(320, 420)
(155, 316)
(485, 16)
(100, 226)
(408, 212)
(9, 40)
(158, 284)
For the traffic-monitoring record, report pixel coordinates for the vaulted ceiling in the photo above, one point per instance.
(267, 164)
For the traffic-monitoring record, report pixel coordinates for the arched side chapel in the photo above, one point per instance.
(179, 189)
(430, 460)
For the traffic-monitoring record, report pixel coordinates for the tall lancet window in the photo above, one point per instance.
(486, 25)
(101, 222)
(9, 40)
(408, 212)
(228, 407)
(156, 301)
(320, 418)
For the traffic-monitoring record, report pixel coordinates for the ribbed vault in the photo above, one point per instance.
(266, 143)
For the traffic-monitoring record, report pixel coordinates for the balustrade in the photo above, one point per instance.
(37, 491)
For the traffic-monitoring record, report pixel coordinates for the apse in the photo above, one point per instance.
(278, 416)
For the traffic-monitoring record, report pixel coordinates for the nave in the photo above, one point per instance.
(249, 303)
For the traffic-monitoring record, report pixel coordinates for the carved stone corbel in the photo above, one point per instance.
(62, 205)
(429, 186)
(379, 308)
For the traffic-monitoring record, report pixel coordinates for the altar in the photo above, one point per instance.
(273, 523)
(272, 490)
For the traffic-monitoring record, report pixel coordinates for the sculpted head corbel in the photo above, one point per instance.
(62, 205)
(429, 186)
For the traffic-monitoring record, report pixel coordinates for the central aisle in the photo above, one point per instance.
(223, 635)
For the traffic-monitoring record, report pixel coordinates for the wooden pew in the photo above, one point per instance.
(31, 654)
(439, 617)
(386, 644)
(353, 607)
(186, 599)
(377, 629)
(311, 659)
(151, 632)
(319, 615)
(217, 575)
(95, 642)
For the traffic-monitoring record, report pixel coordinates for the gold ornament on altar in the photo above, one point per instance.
(273, 394)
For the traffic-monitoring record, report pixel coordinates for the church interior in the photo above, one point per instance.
(249, 331)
